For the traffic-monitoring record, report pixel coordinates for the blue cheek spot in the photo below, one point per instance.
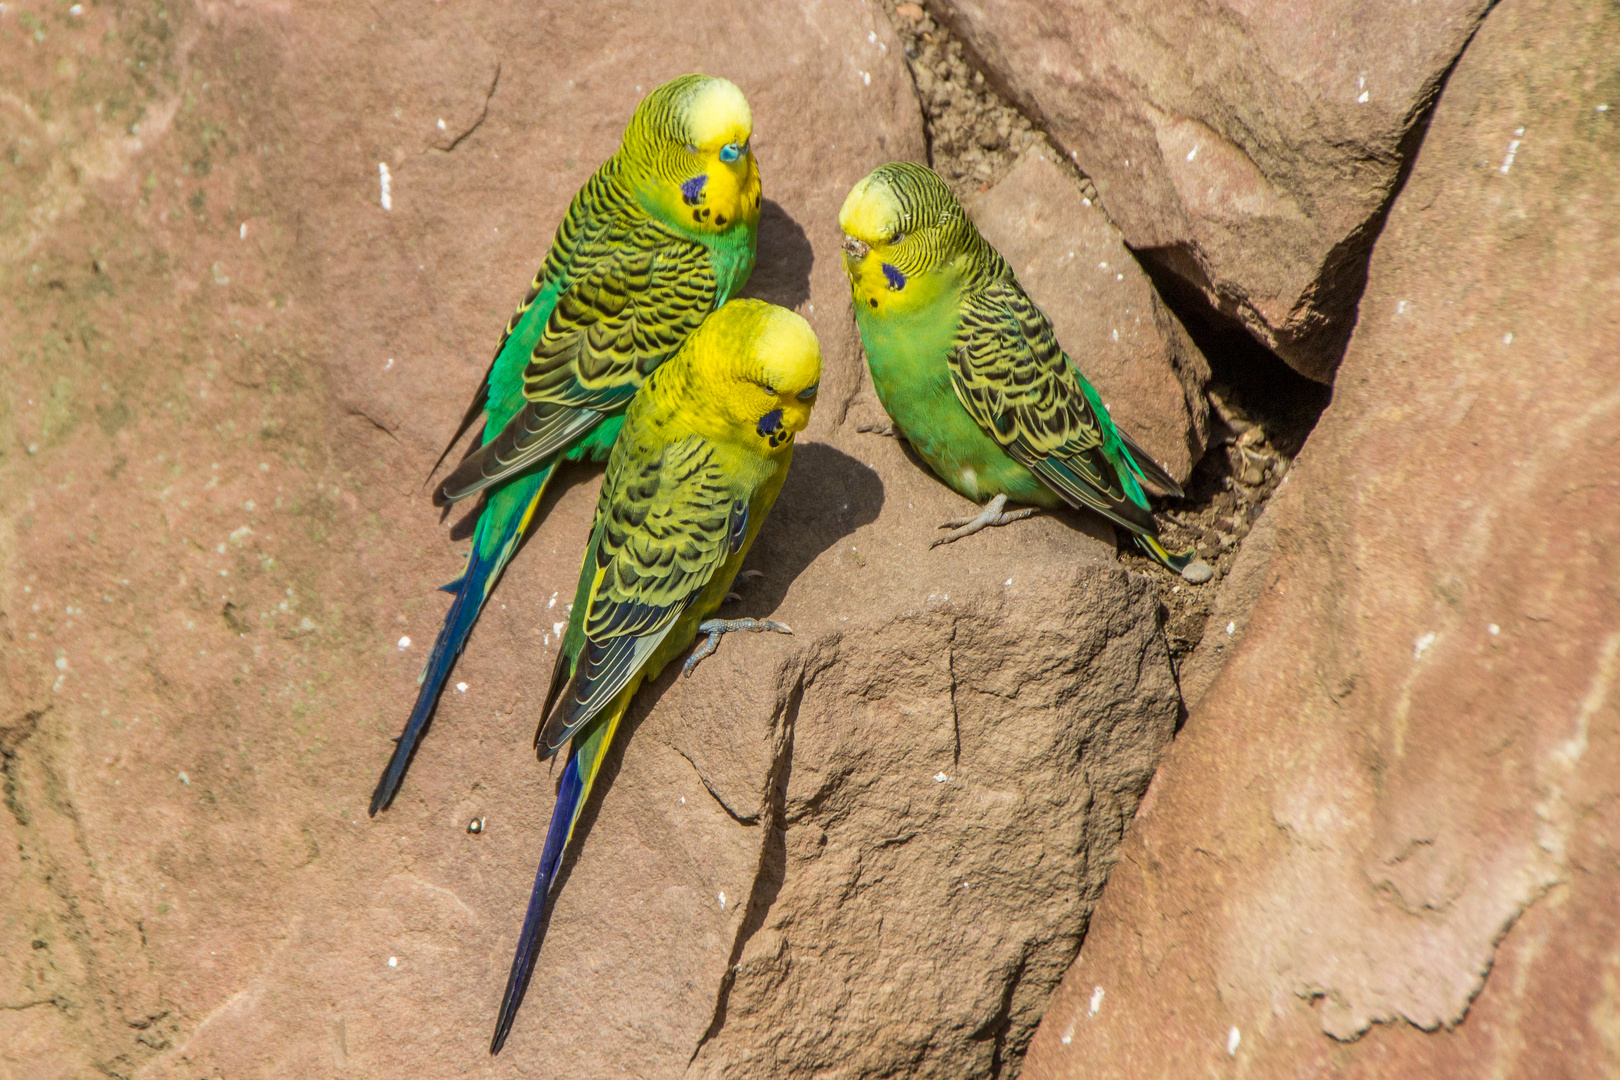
(730, 152)
(770, 423)
(692, 190)
(897, 280)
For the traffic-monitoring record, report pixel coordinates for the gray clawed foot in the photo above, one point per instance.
(879, 429)
(715, 628)
(992, 515)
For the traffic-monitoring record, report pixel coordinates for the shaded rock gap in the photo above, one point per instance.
(956, 712)
(771, 873)
(749, 820)
(483, 113)
(998, 1026)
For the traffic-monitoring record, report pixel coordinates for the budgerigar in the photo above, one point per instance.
(704, 451)
(968, 368)
(660, 235)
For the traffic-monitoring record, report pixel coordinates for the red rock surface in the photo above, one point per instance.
(1252, 145)
(1383, 845)
(1107, 315)
(228, 371)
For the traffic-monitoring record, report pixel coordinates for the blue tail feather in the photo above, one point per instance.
(570, 795)
(493, 544)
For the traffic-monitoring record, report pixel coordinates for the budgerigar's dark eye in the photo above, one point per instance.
(897, 237)
(730, 152)
(808, 393)
(770, 423)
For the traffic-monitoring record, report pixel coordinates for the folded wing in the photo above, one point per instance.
(673, 519)
(625, 301)
(1012, 377)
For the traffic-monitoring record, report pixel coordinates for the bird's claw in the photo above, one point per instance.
(992, 515)
(716, 628)
(743, 577)
(886, 430)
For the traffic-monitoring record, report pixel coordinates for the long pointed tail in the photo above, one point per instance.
(499, 529)
(1186, 563)
(590, 748)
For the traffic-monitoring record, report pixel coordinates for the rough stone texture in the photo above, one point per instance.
(1107, 314)
(228, 370)
(1403, 790)
(1235, 597)
(1252, 145)
(958, 778)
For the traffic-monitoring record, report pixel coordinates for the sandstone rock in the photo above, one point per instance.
(1383, 845)
(1236, 595)
(233, 368)
(1108, 316)
(1251, 147)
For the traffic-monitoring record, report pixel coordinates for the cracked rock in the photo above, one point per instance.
(1383, 844)
(1248, 148)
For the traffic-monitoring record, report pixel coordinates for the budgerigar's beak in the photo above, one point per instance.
(855, 249)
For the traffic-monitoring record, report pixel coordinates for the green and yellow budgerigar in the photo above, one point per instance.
(660, 236)
(704, 450)
(968, 368)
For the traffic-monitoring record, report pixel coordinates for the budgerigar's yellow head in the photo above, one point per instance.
(688, 153)
(753, 368)
(901, 223)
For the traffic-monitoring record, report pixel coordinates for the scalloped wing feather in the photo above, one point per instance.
(1012, 377)
(669, 528)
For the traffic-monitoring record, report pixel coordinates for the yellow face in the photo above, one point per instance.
(783, 377)
(874, 230)
(722, 185)
(756, 368)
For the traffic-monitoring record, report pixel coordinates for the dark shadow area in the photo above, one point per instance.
(1286, 403)
(782, 270)
(827, 496)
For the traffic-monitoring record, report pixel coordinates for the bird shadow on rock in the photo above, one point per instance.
(827, 496)
(782, 270)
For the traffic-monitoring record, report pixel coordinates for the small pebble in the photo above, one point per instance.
(475, 826)
(1197, 572)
